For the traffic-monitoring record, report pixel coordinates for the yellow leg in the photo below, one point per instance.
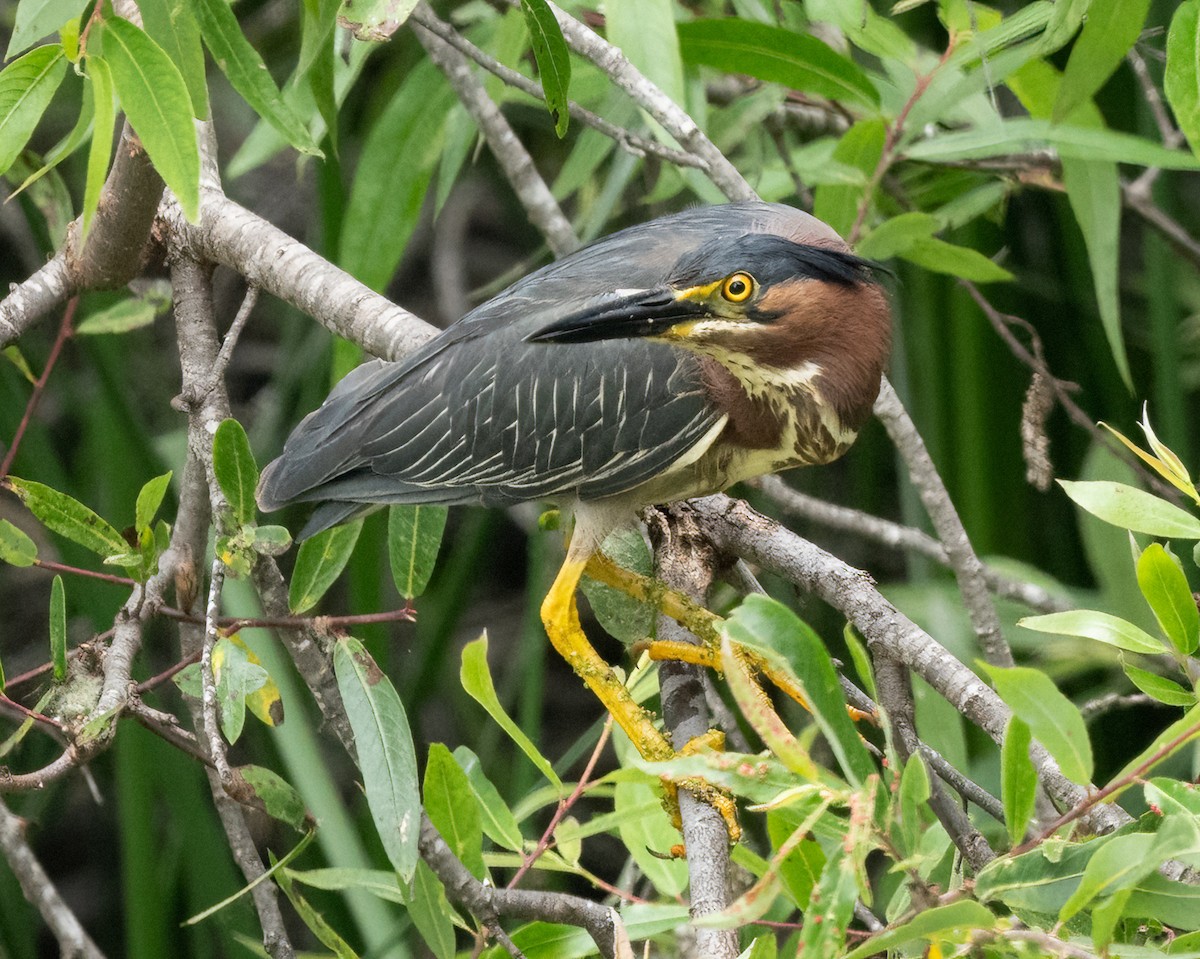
(560, 615)
(561, 618)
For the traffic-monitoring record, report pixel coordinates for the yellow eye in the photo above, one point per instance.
(738, 287)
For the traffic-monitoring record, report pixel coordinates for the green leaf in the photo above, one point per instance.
(767, 626)
(378, 882)
(553, 59)
(1111, 28)
(1018, 779)
(414, 537)
(1118, 864)
(1133, 509)
(171, 24)
(125, 315)
(158, 106)
(319, 562)
(620, 615)
(276, 796)
(476, 679)
(1024, 135)
(235, 469)
(387, 197)
(1159, 687)
(452, 807)
(498, 820)
(374, 20)
(796, 60)
(913, 799)
(16, 548)
(1182, 78)
(247, 73)
(58, 629)
(961, 261)
(36, 19)
(237, 678)
(860, 148)
(432, 913)
(645, 32)
(1166, 590)
(100, 77)
(68, 517)
(271, 540)
(317, 924)
(801, 869)
(964, 915)
(27, 85)
(645, 829)
(1051, 717)
(1092, 624)
(150, 499)
(897, 235)
(17, 359)
(64, 147)
(386, 756)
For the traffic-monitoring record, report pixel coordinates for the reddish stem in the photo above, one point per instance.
(64, 333)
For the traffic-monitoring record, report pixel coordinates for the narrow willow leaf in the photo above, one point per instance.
(1111, 28)
(760, 713)
(1159, 687)
(414, 537)
(1182, 78)
(1024, 135)
(914, 798)
(1118, 864)
(960, 261)
(498, 821)
(158, 106)
(860, 148)
(171, 24)
(100, 77)
(476, 679)
(17, 359)
(645, 32)
(1166, 589)
(797, 60)
(452, 807)
(432, 913)
(645, 829)
(1052, 718)
(553, 60)
(963, 915)
(319, 562)
(378, 882)
(311, 917)
(235, 469)
(764, 624)
(64, 147)
(237, 678)
(1132, 509)
(1093, 624)
(1177, 735)
(620, 615)
(36, 19)
(264, 702)
(150, 499)
(1018, 779)
(386, 756)
(275, 796)
(128, 314)
(374, 20)
(68, 517)
(387, 197)
(58, 629)
(247, 73)
(27, 85)
(16, 548)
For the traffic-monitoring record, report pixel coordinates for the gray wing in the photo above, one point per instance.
(495, 421)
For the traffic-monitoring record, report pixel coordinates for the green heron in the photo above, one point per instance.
(669, 360)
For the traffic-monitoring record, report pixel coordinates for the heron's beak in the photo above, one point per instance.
(623, 315)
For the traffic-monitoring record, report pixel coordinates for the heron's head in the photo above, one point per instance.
(777, 313)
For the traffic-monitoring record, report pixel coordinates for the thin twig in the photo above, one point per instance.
(232, 334)
(65, 331)
(212, 727)
(626, 139)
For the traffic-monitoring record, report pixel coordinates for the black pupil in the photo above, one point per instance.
(737, 287)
